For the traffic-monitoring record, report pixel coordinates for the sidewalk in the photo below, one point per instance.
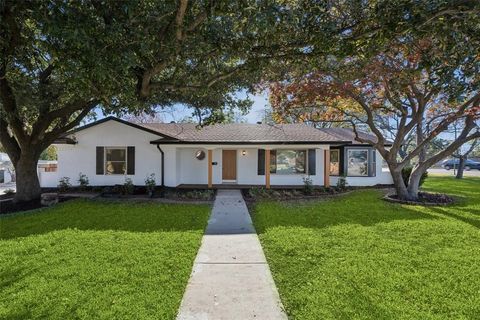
(230, 278)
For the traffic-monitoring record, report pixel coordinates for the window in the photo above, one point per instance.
(115, 160)
(357, 162)
(335, 162)
(288, 162)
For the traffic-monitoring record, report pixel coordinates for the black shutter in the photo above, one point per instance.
(312, 162)
(261, 162)
(343, 170)
(130, 160)
(273, 161)
(372, 163)
(100, 161)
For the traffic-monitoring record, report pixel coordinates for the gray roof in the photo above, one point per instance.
(349, 135)
(235, 133)
(244, 133)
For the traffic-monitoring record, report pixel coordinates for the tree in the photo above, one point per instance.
(425, 85)
(463, 156)
(61, 59)
(50, 153)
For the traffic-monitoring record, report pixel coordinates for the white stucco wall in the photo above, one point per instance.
(181, 166)
(81, 157)
(382, 176)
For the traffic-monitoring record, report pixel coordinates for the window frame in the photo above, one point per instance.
(339, 162)
(305, 169)
(367, 150)
(105, 172)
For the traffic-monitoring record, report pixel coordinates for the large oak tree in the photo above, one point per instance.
(61, 59)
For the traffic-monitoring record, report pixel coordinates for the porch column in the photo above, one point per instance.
(210, 170)
(326, 168)
(267, 168)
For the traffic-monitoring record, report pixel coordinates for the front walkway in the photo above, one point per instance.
(230, 278)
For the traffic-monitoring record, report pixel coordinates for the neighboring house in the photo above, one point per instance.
(6, 168)
(110, 150)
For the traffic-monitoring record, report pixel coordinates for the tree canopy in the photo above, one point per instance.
(427, 78)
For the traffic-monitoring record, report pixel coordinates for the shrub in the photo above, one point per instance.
(64, 184)
(258, 192)
(83, 181)
(342, 183)
(407, 171)
(128, 186)
(150, 184)
(9, 192)
(307, 185)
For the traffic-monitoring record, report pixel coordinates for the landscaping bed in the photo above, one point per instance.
(262, 193)
(8, 206)
(424, 199)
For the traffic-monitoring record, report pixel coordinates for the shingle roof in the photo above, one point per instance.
(236, 133)
(349, 135)
(243, 132)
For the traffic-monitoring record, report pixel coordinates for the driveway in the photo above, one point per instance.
(441, 171)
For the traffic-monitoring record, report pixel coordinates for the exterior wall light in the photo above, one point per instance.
(244, 152)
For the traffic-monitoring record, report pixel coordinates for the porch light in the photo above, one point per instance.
(244, 152)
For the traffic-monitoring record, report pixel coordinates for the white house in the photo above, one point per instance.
(110, 150)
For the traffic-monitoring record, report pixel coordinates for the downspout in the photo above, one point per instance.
(163, 165)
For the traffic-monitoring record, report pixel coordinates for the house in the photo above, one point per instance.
(180, 154)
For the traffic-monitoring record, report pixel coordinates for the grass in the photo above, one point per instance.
(98, 260)
(358, 257)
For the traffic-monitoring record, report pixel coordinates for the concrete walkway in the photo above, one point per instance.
(230, 278)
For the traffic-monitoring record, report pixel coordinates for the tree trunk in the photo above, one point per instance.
(414, 183)
(28, 185)
(461, 167)
(398, 183)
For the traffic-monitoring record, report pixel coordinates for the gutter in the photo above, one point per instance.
(163, 165)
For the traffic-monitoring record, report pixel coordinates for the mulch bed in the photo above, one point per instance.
(424, 199)
(8, 206)
(294, 194)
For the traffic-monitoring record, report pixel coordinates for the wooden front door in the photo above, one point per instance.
(229, 164)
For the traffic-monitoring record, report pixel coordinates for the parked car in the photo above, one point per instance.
(454, 163)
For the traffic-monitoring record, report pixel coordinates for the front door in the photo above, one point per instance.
(229, 164)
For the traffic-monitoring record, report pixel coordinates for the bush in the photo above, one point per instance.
(407, 171)
(308, 185)
(83, 181)
(128, 186)
(259, 192)
(150, 184)
(342, 183)
(64, 184)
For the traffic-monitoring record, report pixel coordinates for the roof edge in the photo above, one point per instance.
(157, 142)
(112, 118)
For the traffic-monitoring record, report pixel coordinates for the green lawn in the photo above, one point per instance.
(358, 257)
(98, 260)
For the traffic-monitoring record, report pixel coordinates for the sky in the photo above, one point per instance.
(179, 111)
(256, 113)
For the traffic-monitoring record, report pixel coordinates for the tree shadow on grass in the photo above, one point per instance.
(105, 215)
(361, 207)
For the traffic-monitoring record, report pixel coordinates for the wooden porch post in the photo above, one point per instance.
(210, 170)
(267, 168)
(326, 169)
